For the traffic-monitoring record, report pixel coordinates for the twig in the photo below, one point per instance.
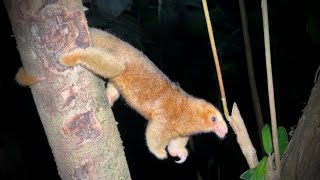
(270, 85)
(235, 120)
(243, 138)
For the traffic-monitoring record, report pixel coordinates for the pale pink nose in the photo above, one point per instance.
(221, 130)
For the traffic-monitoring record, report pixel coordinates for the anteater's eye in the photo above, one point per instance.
(213, 118)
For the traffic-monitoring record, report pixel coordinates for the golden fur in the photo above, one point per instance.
(173, 114)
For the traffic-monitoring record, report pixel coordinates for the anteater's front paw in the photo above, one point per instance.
(182, 153)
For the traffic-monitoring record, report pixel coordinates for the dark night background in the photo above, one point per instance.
(178, 43)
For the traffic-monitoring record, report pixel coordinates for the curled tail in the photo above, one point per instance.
(101, 61)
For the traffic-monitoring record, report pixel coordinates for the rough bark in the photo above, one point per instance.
(77, 119)
(301, 159)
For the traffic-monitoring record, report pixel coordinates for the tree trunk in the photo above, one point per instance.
(301, 159)
(77, 119)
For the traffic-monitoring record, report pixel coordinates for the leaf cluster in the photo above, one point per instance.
(260, 171)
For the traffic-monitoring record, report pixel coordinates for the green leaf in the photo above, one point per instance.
(283, 139)
(247, 175)
(261, 170)
(267, 139)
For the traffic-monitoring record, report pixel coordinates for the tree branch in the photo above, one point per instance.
(77, 120)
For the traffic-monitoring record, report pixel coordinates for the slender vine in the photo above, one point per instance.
(270, 86)
(235, 120)
(216, 60)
